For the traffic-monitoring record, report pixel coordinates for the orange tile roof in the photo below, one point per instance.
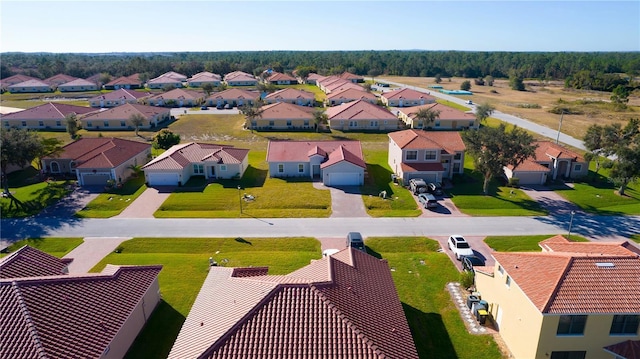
(239, 76)
(446, 112)
(205, 76)
(290, 93)
(16, 79)
(124, 80)
(626, 349)
(341, 86)
(277, 76)
(48, 111)
(284, 110)
(234, 93)
(406, 93)
(351, 94)
(529, 166)
(124, 112)
(449, 141)
(300, 151)
(101, 152)
(560, 244)
(548, 148)
(183, 155)
(342, 154)
(322, 310)
(422, 167)
(59, 79)
(349, 76)
(357, 110)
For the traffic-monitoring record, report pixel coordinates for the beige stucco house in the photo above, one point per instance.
(30, 86)
(119, 118)
(361, 115)
(550, 161)
(292, 96)
(78, 85)
(48, 116)
(406, 97)
(448, 118)
(572, 300)
(284, 116)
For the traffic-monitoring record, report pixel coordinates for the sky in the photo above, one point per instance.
(175, 26)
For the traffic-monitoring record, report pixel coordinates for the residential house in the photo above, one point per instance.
(30, 86)
(549, 162)
(292, 96)
(205, 77)
(94, 161)
(313, 78)
(162, 82)
(351, 77)
(48, 116)
(47, 313)
(78, 85)
(15, 79)
(284, 116)
(348, 95)
(95, 79)
(278, 78)
(572, 300)
(59, 79)
(234, 97)
(323, 83)
(430, 155)
(361, 116)
(117, 98)
(336, 163)
(239, 78)
(124, 82)
(341, 306)
(177, 98)
(448, 118)
(175, 166)
(406, 97)
(341, 85)
(119, 118)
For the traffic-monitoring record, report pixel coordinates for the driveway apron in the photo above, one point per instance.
(549, 199)
(146, 204)
(91, 251)
(346, 202)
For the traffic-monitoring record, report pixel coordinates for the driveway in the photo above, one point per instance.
(74, 202)
(147, 203)
(480, 249)
(346, 202)
(446, 208)
(549, 199)
(91, 251)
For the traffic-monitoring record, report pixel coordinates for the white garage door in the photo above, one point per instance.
(343, 179)
(95, 179)
(530, 178)
(163, 179)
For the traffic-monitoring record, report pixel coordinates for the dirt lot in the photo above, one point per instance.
(593, 106)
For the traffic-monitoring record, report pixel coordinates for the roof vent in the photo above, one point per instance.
(605, 265)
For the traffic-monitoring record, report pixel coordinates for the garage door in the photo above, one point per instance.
(530, 178)
(163, 179)
(95, 179)
(343, 179)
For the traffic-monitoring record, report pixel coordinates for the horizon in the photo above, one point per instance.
(100, 27)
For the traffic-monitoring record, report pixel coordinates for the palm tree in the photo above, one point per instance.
(320, 118)
(427, 116)
(136, 120)
(136, 169)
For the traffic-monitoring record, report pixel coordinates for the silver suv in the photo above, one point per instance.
(417, 185)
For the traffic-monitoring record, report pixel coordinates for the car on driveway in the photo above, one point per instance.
(468, 262)
(459, 246)
(435, 188)
(417, 185)
(354, 239)
(428, 200)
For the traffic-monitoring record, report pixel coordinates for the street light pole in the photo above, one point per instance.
(570, 224)
(559, 127)
(240, 198)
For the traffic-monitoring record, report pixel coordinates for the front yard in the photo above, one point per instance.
(57, 247)
(34, 194)
(114, 201)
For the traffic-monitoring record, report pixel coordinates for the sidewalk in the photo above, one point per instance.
(91, 251)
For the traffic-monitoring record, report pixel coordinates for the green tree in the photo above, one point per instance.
(367, 86)
(207, 88)
(165, 138)
(516, 82)
(483, 111)
(72, 125)
(437, 79)
(489, 80)
(320, 118)
(426, 116)
(620, 95)
(465, 85)
(374, 73)
(251, 112)
(136, 121)
(17, 147)
(593, 141)
(493, 148)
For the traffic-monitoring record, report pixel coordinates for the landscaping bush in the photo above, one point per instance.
(514, 182)
(467, 279)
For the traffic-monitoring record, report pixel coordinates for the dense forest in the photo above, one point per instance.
(528, 65)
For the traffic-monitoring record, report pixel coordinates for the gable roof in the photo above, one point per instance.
(349, 76)
(48, 111)
(172, 75)
(179, 94)
(300, 151)
(30, 83)
(277, 76)
(183, 155)
(290, 93)
(30, 262)
(548, 149)
(627, 349)
(205, 76)
(165, 80)
(342, 154)
(120, 94)
(359, 110)
(341, 86)
(351, 93)
(239, 76)
(59, 79)
(124, 112)
(449, 141)
(323, 309)
(576, 282)
(125, 80)
(234, 93)
(446, 112)
(86, 312)
(78, 82)
(101, 152)
(406, 93)
(284, 110)
(16, 79)
(561, 244)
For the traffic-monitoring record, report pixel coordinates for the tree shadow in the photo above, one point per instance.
(429, 333)
(590, 226)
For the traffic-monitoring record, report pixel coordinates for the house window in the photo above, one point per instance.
(280, 167)
(430, 155)
(300, 167)
(569, 355)
(353, 123)
(198, 169)
(571, 324)
(501, 270)
(223, 168)
(306, 122)
(288, 122)
(41, 123)
(508, 282)
(577, 168)
(89, 124)
(271, 123)
(123, 123)
(411, 155)
(471, 123)
(457, 156)
(625, 324)
(105, 123)
(58, 123)
(24, 123)
(55, 167)
(374, 124)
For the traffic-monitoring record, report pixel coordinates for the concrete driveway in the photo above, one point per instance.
(147, 203)
(480, 249)
(346, 201)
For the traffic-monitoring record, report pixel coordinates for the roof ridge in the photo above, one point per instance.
(33, 331)
(549, 301)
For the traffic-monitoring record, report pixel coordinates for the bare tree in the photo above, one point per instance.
(136, 121)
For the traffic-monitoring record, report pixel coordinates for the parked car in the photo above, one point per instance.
(468, 262)
(220, 106)
(428, 200)
(354, 239)
(204, 108)
(417, 185)
(469, 102)
(228, 106)
(459, 246)
(435, 188)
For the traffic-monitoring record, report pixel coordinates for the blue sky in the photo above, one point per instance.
(143, 26)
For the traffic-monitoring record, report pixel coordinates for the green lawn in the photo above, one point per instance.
(636, 238)
(274, 197)
(55, 246)
(35, 195)
(113, 202)
(185, 266)
(453, 105)
(320, 96)
(522, 243)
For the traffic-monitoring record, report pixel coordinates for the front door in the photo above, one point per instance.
(213, 171)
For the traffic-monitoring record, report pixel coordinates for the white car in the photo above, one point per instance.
(459, 246)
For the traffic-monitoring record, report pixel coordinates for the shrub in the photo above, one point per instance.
(514, 182)
(467, 279)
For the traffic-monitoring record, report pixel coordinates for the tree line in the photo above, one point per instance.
(530, 65)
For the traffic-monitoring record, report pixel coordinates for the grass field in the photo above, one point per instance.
(57, 247)
(35, 194)
(522, 243)
(114, 201)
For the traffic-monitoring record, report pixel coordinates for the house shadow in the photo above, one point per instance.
(253, 177)
(429, 334)
(159, 333)
(588, 225)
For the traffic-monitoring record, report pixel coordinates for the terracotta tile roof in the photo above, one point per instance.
(101, 152)
(449, 141)
(120, 94)
(406, 93)
(300, 151)
(331, 79)
(165, 80)
(48, 111)
(284, 110)
(77, 82)
(239, 76)
(69, 316)
(254, 317)
(30, 262)
(290, 93)
(124, 80)
(30, 83)
(359, 110)
(173, 75)
(183, 155)
(349, 76)
(446, 112)
(628, 349)
(205, 76)
(342, 154)
(316, 77)
(560, 244)
(234, 93)
(277, 76)
(351, 94)
(179, 94)
(124, 112)
(341, 86)
(529, 166)
(59, 79)
(16, 79)
(548, 148)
